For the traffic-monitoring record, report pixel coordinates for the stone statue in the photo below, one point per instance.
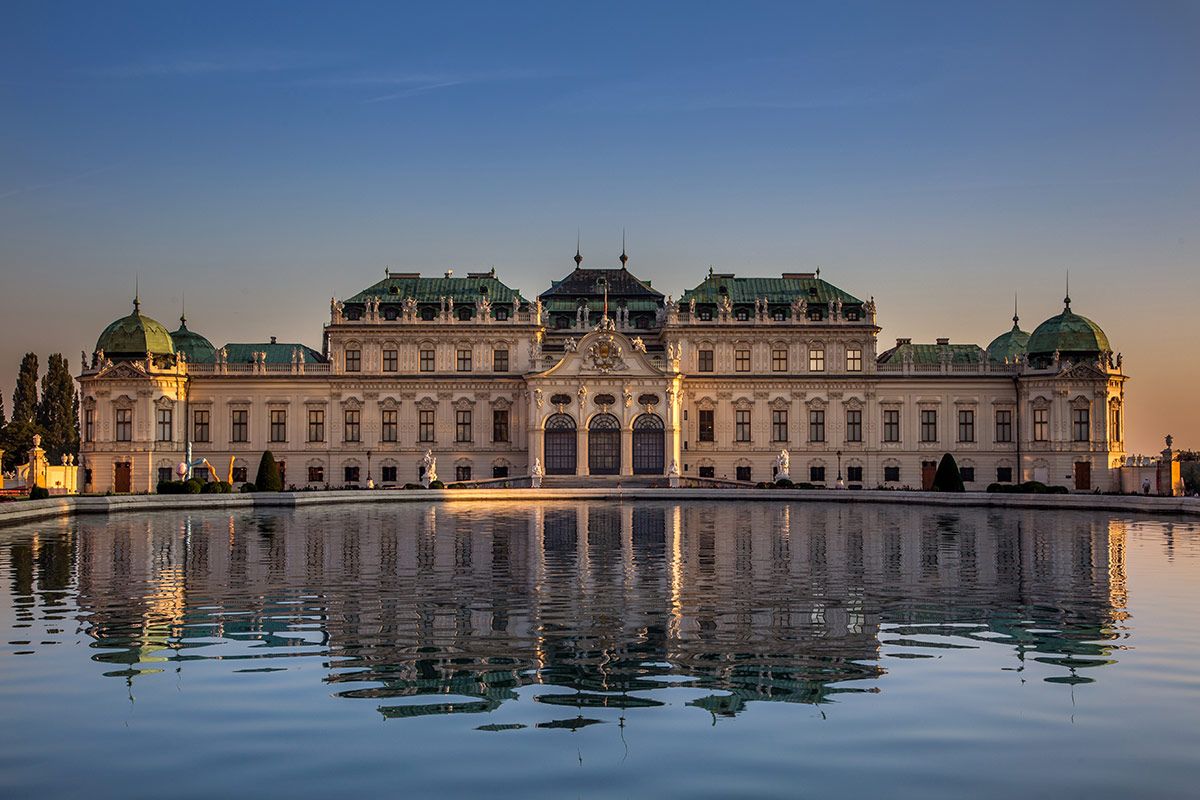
(571, 345)
(483, 309)
(539, 398)
(429, 474)
(783, 465)
(535, 475)
(83, 365)
(673, 475)
(538, 312)
(638, 345)
(410, 307)
(628, 397)
(516, 306)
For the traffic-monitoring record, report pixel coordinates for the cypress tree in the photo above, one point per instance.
(58, 414)
(3, 419)
(268, 479)
(948, 478)
(25, 396)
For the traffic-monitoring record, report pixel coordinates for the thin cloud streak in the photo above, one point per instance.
(61, 182)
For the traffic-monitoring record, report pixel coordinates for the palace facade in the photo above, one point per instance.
(602, 377)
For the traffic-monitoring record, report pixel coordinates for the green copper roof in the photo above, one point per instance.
(1009, 345)
(1068, 334)
(397, 286)
(277, 352)
(777, 290)
(134, 336)
(195, 347)
(929, 354)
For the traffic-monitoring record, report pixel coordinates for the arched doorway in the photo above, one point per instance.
(604, 445)
(648, 456)
(560, 445)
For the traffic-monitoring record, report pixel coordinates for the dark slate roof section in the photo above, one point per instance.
(277, 352)
(397, 286)
(930, 354)
(776, 290)
(582, 282)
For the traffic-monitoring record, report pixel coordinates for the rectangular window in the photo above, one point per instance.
(706, 361)
(239, 425)
(742, 473)
(239, 474)
(353, 425)
(853, 360)
(707, 431)
(929, 425)
(425, 425)
(390, 429)
(891, 474)
(499, 471)
(1004, 425)
(462, 473)
(816, 474)
(854, 425)
(389, 474)
(200, 427)
(89, 425)
(351, 474)
(1114, 424)
(968, 474)
(1004, 474)
(316, 474)
(278, 425)
(499, 424)
(816, 360)
(854, 474)
(816, 425)
(779, 360)
(391, 360)
(464, 360)
(1041, 424)
(316, 424)
(462, 425)
(966, 425)
(708, 472)
(741, 360)
(779, 425)
(426, 360)
(741, 425)
(354, 361)
(891, 424)
(1082, 419)
(165, 430)
(500, 360)
(164, 474)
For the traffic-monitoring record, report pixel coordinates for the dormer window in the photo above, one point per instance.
(501, 313)
(741, 315)
(852, 314)
(427, 314)
(390, 313)
(706, 314)
(778, 315)
(352, 314)
(464, 314)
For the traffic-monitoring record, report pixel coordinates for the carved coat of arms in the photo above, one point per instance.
(605, 355)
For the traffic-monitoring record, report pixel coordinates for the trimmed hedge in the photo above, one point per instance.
(1029, 487)
(268, 479)
(948, 478)
(38, 493)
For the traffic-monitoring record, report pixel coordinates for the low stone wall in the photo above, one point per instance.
(19, 512)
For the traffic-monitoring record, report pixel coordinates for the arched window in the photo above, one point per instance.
(560, 445)
(648, 442)
(604, 445)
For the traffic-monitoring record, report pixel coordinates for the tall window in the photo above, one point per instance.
(891, 474)
(425, 425)
(351, 474)
(741, 360)
(1004, 425)
(816, 425)
(316, 424)
(426, 360)
(354, 360)
(500, 360)
(353, 425)
(165, 429)
(853, 360)
(779, 425)
(390, 430)
(462, 425)
(389, 473)
(966, 425)
(391, 360)
(239, 425)
(89, 425)
(741, 425)
(779, 360)
(464, 360)
(706, 361)
(891, 424)
(1041, 424)
(706, 430)
(816, 360)
(1114, 423)
(816, 473)
(499, 424)
(854, 425)
(929, 425)
(200, 428)
(462, 472)
(1082, 422)
(316, 474)
(278, 425)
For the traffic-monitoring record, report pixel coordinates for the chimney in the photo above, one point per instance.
(449, 273)
(944, 340)
(900, 342)
(272, 340)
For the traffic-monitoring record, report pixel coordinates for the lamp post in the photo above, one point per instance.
(841, 484)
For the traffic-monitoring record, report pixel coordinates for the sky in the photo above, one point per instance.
(259, 158)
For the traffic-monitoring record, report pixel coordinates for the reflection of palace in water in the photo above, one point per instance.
(753, 601)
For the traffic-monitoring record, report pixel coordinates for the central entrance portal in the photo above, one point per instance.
(604, 445)
(648, 440)
(560, 445)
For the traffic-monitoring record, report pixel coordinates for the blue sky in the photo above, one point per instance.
(941, 156)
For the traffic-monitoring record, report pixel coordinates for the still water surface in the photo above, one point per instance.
(595, 650)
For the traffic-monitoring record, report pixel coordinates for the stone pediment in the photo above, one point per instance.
(603, 352)
(1081, 372)
(122, 371)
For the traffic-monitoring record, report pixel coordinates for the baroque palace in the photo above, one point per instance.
(601, 375)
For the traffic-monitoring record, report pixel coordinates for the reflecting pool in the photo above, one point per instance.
(591, 649)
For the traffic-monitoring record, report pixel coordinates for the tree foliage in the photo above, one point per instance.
(25, 396)
(947, 478)
(268, 479)
(58, 411)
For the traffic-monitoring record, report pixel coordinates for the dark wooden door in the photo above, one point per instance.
(122, 478)
(1083, 476)
(928, 471)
